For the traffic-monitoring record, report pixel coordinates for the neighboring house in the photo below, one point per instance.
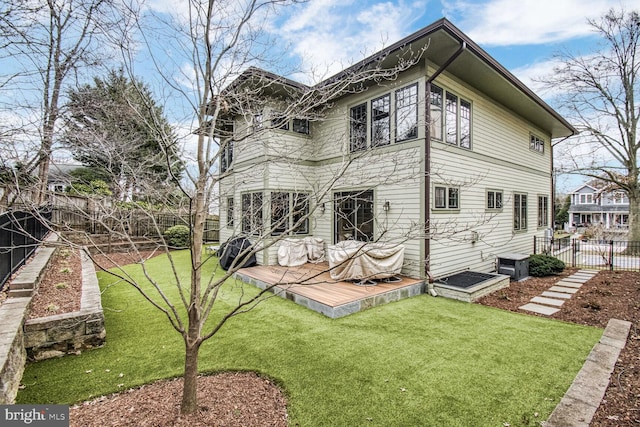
(372, 168)
(596, 203)
(60, 176)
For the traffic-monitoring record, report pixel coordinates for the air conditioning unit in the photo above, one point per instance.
(514, 265)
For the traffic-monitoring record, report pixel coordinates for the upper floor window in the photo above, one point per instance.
(519, 212)
(257, 122)
(536, 144)
(407, 113)
(301, 126)
(226, 155)
(279, 121)
(586, 199)
(454, 126)
(358, 127)
(620, 198)
(381, 121)
(494, 199)
(446, 197)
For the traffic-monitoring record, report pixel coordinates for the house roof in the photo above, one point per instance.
(474, 66)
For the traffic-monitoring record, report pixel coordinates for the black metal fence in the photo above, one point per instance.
(593, 254)
(20, 234)
(133, 223)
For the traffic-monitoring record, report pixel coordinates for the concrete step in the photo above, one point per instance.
(18, 293)
(540, 309)
(547, 301)
(559, 295)
(563, 289)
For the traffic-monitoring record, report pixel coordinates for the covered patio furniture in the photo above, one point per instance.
(354, 260)
(293, 252)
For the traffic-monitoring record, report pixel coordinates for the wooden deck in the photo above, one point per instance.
(311, 285)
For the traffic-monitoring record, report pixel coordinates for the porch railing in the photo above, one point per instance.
(594, 254)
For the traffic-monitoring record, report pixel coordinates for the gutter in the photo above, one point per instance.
(427, 165)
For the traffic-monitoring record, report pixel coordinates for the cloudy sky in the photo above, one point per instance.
(521, 34)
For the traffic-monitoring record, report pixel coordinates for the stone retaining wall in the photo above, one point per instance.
(69, 333)
(13, 311)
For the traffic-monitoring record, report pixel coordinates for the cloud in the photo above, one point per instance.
(329, 35)
(508, 23)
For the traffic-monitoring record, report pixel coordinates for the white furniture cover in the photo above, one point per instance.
(294, 252)
(354, 260)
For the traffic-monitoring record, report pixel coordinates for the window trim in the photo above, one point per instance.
(536, 143)
(253, 214)
(286, 225)
(543, 211)
(414, 132)
(230, 212)
(451, 193)
(520, 223)
(375, 119)
(494, 192)
(438, 126)
(358, 121)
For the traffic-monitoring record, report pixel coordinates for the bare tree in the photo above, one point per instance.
(45, 45)
(600, 93)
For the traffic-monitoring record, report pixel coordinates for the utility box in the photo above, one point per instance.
(514, 265)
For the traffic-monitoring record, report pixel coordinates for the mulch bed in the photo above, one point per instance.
(227, 399)
(245, 399)
(60, 289)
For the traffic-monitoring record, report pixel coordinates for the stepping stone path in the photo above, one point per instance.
(551, 300)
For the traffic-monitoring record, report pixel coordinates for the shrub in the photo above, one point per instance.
(544, 265)
(178, 236)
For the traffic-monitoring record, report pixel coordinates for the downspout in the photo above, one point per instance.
(427, 167)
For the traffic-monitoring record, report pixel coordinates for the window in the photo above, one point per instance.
(381, 121)
(536, 144)
(226, 155)
(252, 213)
(353, 215)
(407, 113)
(586, 199)
(445, 197)
(620, 198)
(519, 212)
(257, 122)
(436, 112)
(494, 199)
(279, 213)
(543, 211)
(288, 212)
(465, 124)
(358, 127)
(301, 126)
(279, 121)
(456, 121)
(229, 211)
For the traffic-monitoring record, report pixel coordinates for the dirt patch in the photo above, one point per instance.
(608, 295)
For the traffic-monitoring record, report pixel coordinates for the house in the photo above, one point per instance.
(458, 189)
(596, 203)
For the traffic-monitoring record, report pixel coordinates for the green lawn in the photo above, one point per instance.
(419, 362)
